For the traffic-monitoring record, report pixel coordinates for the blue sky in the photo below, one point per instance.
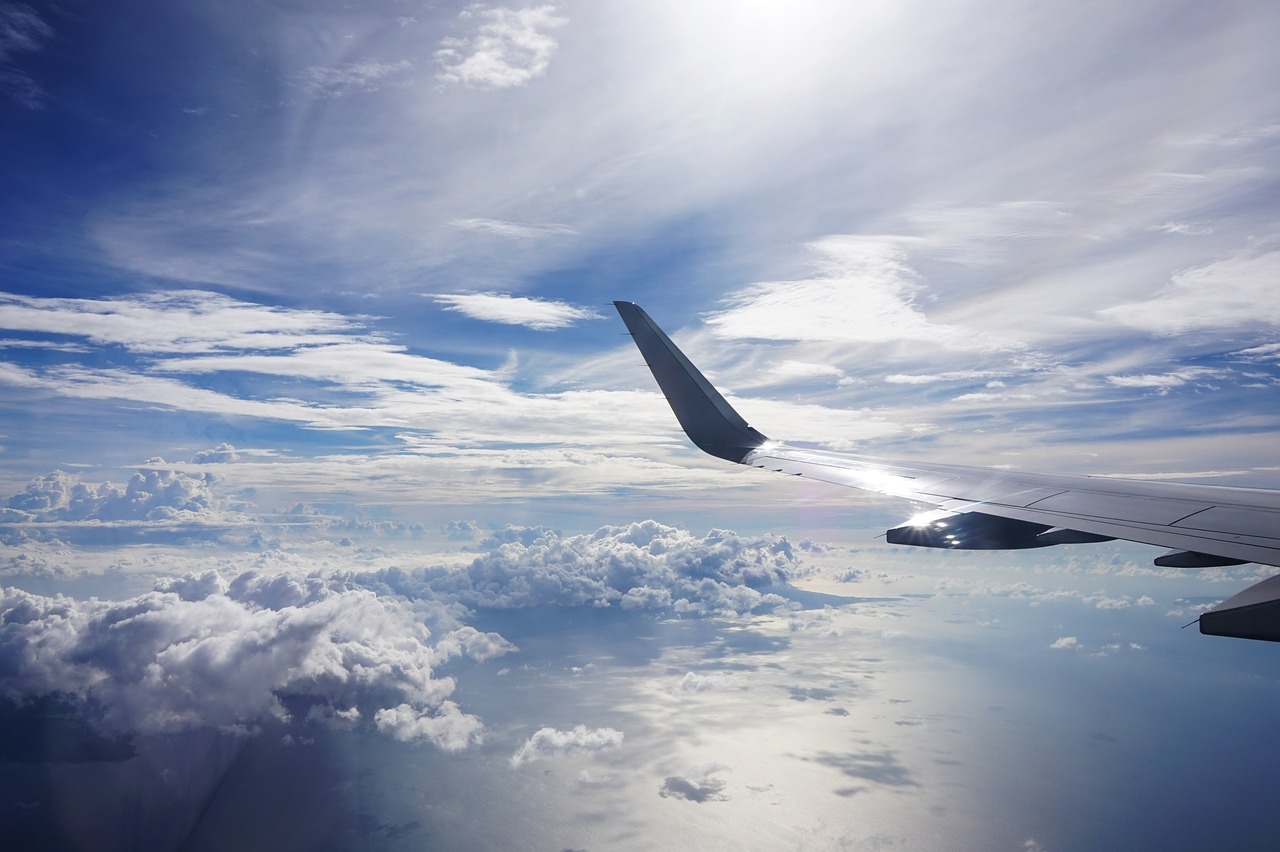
(302, 305)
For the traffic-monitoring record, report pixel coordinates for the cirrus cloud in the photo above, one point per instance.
(538, 314)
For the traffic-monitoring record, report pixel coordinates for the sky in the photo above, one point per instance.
(337, 509)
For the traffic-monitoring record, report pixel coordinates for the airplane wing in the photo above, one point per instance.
(989, 509)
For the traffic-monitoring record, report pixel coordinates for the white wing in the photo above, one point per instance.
(988, 509)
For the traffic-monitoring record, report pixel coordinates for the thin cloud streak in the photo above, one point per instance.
(538, 314)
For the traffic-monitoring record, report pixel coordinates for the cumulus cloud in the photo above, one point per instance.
(551, 742)
(1065, 643)
(52, 559)
(509, 47)
(642, 565)
(199, 652)
(222, 454)
(446, 725)
(694, 682)
(474, 644)
(286, 643)
(539, 314)
(462, 530)
(150, 495)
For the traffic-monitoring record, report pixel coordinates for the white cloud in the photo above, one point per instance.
(789, 371)
(224, 453)
(187, 321)
(151, 495)
(539, 314)
(1163, 382)
(1230, 293)
(1068, 643)
(645, 564)
(446, 725)
(1186, 229)
(951, 376)
(1265, 352)
(551, 742)
(865, 291)
(510, 47)
(200, 652)
(694, 682)
(512, 229)
(474, 644)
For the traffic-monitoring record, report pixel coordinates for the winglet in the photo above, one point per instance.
(708, 420)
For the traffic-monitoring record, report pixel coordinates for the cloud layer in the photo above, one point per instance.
(200, 652)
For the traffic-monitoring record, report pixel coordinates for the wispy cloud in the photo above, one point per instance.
(369, 76)
(949, 376)
(1232, 292)
(1163, 382)
(176, 321)
(540, 314)
(512, 229)
(865, 291)
(509, 48)
(21, 31)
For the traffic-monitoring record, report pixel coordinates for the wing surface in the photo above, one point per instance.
(986, 508)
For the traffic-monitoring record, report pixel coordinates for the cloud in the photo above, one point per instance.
(789, 371)
(177, 321)
(512, 229)
(1265, 352)
(1186, 229)
(865, 291)
(1067, 643)
(539, 314)
(700, 790)
(224, 453)
(551, 742)
(509, 48)
(694, 682)
(474, 644)
(151, 495)
(199, 652)
(642, 565)
(462, 530)
(1164, 382)
(949, 376)
(21, 31)
(338, 80)
(445, 726)
(1233, 292)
